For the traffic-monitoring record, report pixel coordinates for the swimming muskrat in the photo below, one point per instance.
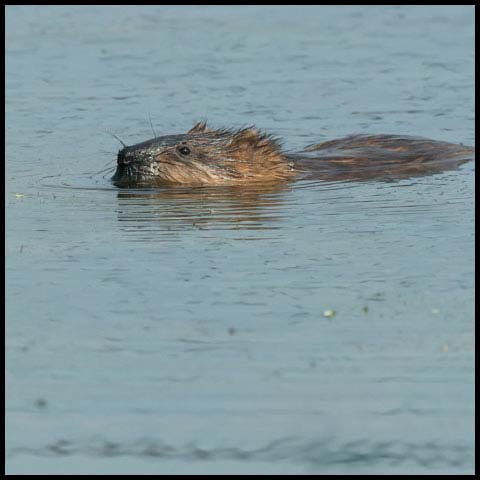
(204, 156)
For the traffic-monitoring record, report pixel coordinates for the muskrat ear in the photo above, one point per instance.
(247, 137)
(199, 127)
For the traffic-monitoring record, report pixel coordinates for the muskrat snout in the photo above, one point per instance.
(123, 160)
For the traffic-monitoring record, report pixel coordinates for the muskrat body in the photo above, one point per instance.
(204, 156)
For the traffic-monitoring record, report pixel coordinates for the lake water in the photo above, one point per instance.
(187, 330)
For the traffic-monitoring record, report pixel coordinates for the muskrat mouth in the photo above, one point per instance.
(126, 176)
(135, 175)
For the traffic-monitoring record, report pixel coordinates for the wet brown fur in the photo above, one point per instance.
(229, 157)
(388, 157)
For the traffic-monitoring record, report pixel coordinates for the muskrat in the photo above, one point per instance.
(205, 156)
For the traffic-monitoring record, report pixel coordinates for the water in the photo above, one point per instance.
(184, 330)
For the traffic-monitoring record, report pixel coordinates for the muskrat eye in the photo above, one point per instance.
(184, 150)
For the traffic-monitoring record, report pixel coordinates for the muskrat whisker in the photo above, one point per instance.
(108, 169)
(151, 125)
(107, 173)
(107, 164)
(114, 136)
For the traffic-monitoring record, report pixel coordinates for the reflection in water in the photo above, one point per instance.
(157, 213)
(232, 207)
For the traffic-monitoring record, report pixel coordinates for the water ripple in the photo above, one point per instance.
(316, 453)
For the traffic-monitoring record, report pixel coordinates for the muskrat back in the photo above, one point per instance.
(368, 157)
(205, 156)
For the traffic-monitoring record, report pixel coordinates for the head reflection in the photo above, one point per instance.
(204, 208)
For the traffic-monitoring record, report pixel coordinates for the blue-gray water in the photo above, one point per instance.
(183, 330)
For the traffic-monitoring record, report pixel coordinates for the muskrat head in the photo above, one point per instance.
(202, 156)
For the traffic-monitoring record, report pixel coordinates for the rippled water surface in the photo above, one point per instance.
(305, 328)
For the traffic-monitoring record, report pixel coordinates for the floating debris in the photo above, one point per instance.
(40, 403)
(329, 313)
(19, 195)
(377, 296)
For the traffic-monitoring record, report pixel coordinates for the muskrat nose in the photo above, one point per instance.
(123, 160)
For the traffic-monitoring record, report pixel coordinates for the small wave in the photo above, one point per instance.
(316, 453)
